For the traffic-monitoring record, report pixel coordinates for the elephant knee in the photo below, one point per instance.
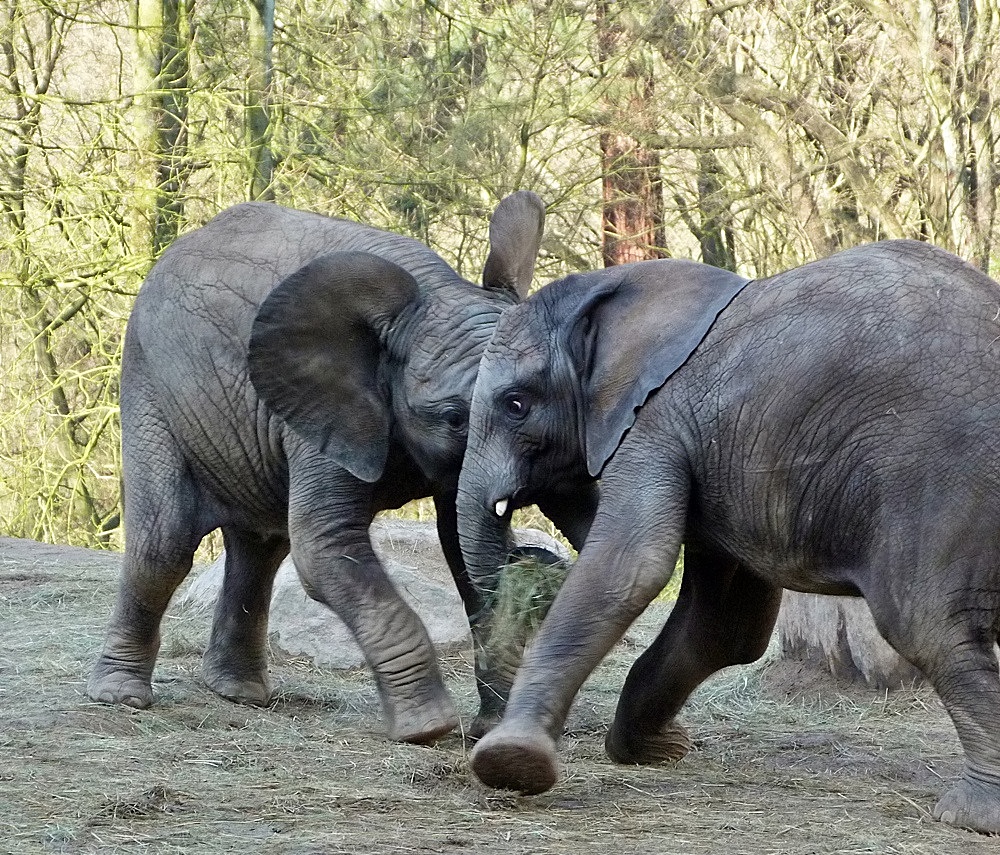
(752, 650)
(312, 591)
(346, 581)
(315, 586)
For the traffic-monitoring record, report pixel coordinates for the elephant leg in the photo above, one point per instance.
(951, 640)
(494, 670)
(618, 573)
(235, 662)
(724, 616)
(969, 687)
(338, 567)
(162, 531)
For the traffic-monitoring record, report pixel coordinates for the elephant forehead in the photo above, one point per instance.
(516, 364)
(513, 342)
(449, 345)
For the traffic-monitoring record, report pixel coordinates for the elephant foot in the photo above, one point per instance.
(245, 685)
(124, 672)
(492, 704)
(973, 804)
(110, 683)
(420, 712)
(483, 724)
(668, 745)
(423, 724)
(510, 758)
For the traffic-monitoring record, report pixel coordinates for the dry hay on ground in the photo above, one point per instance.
(785, 762)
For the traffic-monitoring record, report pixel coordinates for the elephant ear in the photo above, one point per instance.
(315, 353)
(515, 238)
(633, 327)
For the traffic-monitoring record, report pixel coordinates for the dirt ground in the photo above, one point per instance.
(786, 761)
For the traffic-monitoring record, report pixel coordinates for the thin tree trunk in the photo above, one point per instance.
(258, 100)
(949, 46)
(29, 86)
(632, 211)
(164, 34)
(979, 123)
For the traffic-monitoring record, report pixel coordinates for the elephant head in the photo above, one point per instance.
(372, 354)
(561, 381)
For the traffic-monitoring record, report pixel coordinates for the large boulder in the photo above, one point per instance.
(839, 634)
(411, 554)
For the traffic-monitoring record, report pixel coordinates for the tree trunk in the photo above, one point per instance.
(949, 48)
(632, 213)
(258, 100)
(31, 50)
(163, 34)
(715, 235)
(978, 123)
(838, 634)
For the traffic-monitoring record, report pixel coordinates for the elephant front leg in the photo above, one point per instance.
(616, 576)
(724, 616)
(496, 668)
(339, 568)
(415, 702)
(499, 648)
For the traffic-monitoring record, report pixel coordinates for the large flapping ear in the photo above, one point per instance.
(631, 330)
(515, 238)
(315, 351)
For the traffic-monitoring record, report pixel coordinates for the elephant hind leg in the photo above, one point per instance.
(724, 616)
(951, 638)
(162, 531)
(235, 662)
(968, 684)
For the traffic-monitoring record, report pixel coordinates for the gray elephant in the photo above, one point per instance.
(833, 429)
(285, 377)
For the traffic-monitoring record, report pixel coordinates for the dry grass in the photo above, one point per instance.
(525, 591)
(784, 761)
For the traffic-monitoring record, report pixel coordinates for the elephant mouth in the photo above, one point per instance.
(504, 506)
(503, 499)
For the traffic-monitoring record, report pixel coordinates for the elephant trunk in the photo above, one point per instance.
(484, 535)
(486, 542)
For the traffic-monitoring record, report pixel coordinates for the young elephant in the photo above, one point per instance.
(832, 429)
(286, 376)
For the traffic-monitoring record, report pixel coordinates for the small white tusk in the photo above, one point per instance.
(501, 507)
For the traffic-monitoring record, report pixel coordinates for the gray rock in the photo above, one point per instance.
(412, 556)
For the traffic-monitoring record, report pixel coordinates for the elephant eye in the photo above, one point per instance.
(455, 418)
(515, 405)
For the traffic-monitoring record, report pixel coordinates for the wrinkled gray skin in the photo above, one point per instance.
(285, 377)
(835, 430)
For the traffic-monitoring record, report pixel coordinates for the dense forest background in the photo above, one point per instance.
(753, 134)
